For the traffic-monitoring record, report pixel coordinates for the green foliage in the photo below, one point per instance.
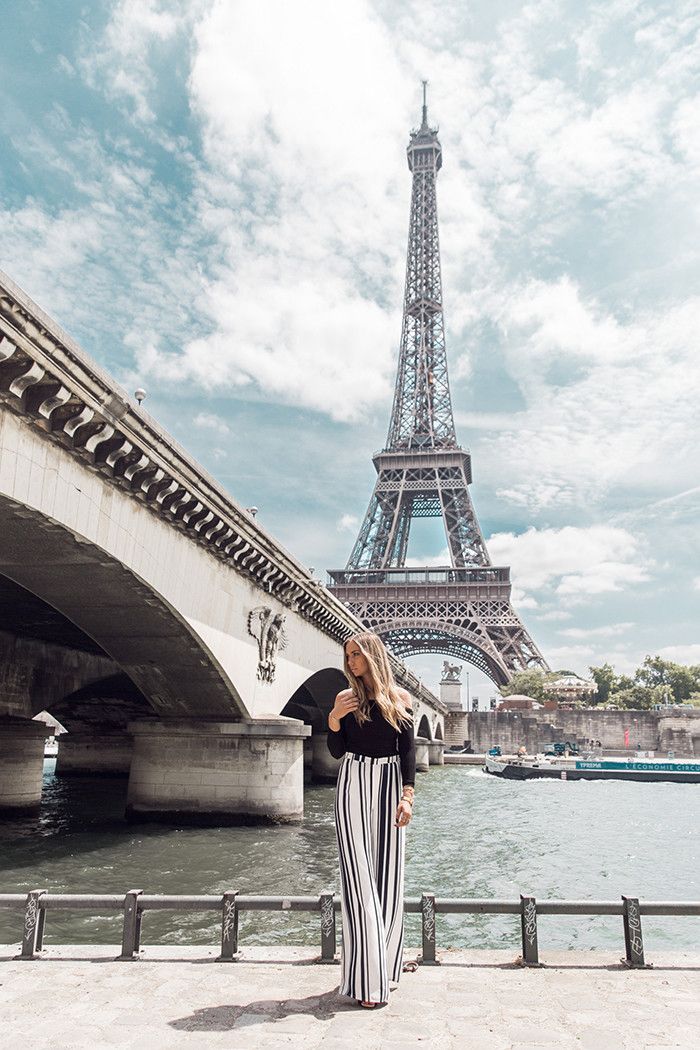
(638, 698)
(657, 681)
(606, 680)
(530, 682)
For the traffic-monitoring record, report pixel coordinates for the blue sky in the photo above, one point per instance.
(213, 199)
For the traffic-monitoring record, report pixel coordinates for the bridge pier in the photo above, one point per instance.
(422, 754)
(436, 753)
(21, 765)
(214, 773)
(325, 767)
(94, 754)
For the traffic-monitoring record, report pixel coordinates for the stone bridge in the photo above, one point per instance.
(145, 609)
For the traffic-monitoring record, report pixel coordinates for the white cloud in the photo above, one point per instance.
(610, 630)
(554, 615)
(299, 187)
(105, 265)
(347, 523)
(579, 657)
(522, 600)
(121, 63)
(696, 583)
(593, 419)
(680, 654)
(574, 563)
(210, 421)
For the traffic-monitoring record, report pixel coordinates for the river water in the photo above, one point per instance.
(472, 836)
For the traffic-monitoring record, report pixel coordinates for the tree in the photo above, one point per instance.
(684, 681)
(638, 698)
(676, 680)
(654, 671)
(606, 680)
(530, 682)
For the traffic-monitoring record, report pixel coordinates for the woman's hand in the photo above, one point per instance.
(345, 702)
(404, 812)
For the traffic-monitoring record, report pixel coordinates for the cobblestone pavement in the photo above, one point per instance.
(277, 998)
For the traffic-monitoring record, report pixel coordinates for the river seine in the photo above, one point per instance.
(472, 836)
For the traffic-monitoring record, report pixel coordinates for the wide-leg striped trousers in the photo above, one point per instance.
(371, 851)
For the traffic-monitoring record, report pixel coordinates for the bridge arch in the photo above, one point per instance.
(130, 622)
(314, 698)
(311, 703)
(424, 728)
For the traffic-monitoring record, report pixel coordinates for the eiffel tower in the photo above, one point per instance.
(462, 610)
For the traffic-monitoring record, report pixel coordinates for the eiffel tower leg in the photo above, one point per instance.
(466, 543)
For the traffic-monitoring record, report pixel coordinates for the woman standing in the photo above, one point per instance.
(371, 729)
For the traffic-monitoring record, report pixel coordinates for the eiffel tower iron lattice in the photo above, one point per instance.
(462, 610)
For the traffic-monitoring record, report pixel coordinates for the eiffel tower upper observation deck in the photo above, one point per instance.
(463, 609)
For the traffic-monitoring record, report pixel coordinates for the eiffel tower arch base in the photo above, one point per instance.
(415, 638)
(462, 613)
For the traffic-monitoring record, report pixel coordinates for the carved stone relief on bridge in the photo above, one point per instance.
(267, 627)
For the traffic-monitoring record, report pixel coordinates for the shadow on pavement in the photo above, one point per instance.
(260, 1011)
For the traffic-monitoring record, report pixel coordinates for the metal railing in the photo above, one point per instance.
(491, 574)
(231, 904)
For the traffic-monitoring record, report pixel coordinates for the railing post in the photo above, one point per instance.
(33, 935)
(327, 927)
(427, 907)
(229, 927)
(632, 923)
(131, 932)
(528, 930)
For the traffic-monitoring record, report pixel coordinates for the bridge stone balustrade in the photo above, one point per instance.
(110, 523)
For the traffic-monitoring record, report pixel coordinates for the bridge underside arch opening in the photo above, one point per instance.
(124, 618)
(314, 699)
(424, 728)
(49, 665)
(312, 703)
(415, 640)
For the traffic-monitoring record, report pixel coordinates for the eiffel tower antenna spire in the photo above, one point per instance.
(462, 609)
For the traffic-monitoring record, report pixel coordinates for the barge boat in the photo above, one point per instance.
(672, 770)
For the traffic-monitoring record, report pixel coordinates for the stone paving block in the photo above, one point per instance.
(173, 1004)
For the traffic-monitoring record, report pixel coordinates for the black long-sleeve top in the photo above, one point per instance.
(376, 738)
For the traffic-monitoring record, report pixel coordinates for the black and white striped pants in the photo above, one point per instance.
(371, 851)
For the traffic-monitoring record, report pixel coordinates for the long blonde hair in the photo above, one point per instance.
(389, 700)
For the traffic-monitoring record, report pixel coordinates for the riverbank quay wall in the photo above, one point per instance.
(138, 558)
(650, 730)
